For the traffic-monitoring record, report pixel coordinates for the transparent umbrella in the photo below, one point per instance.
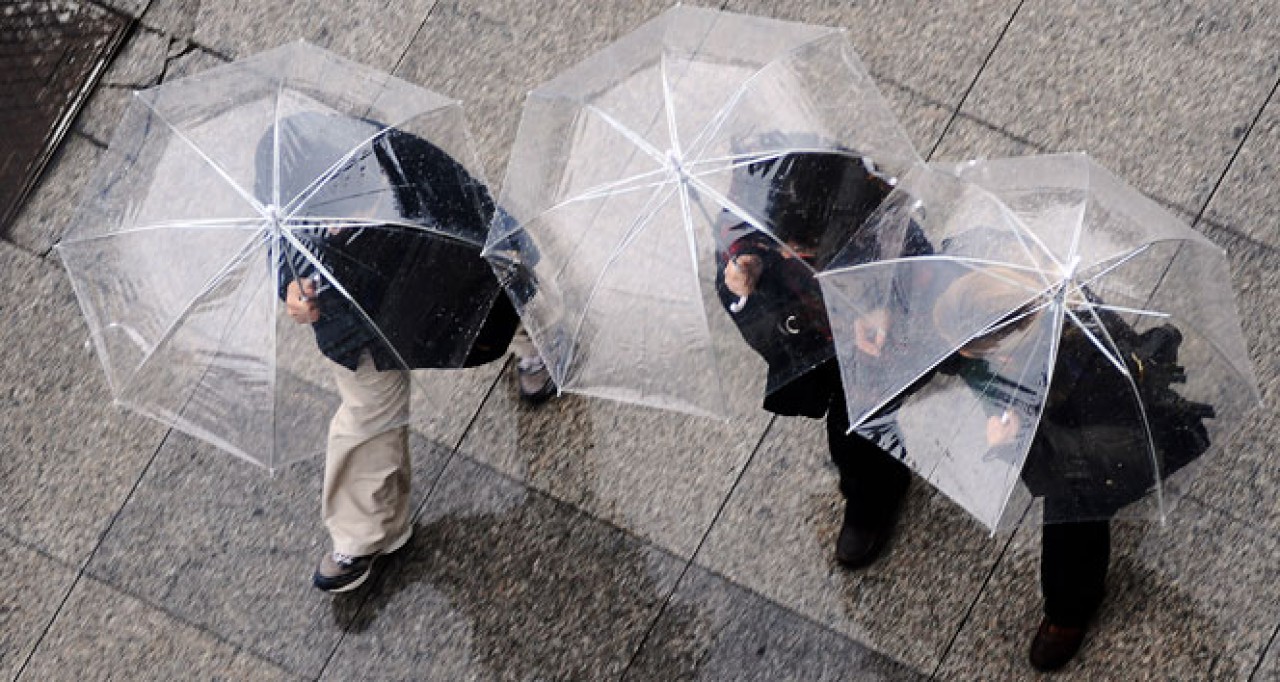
(220, 189)
(1065, 338)
(635, 171)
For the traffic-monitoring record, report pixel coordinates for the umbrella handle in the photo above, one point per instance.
(315, 279)
(737, 306)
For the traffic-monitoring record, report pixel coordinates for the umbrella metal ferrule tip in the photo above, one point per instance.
(272, 213)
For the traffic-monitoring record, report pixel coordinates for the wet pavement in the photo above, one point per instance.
(589, 541)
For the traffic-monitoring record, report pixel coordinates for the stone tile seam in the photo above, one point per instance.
(964, 97)
(1266, 101)
(417, 512)
(37, 549)
(693, 555)
(236, 649)
(80, 572)
(426, 16)
(977, 597)
(1257, 669)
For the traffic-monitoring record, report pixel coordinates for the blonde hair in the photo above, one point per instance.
(986, 297)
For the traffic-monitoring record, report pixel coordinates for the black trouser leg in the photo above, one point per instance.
(873, 481)
(1073, 570)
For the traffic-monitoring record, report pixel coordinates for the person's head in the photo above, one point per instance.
(1001, 299)
(308, 146)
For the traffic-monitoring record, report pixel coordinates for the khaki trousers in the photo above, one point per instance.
(365, 503)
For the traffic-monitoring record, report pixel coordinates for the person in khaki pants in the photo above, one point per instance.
(381, 298)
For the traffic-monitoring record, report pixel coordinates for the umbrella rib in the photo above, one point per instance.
(275, 144)
(629, 134)
(217, 168)
(213, 282)
(254, 223)
(1055, 337)
(1137, 394)
(976, 263)
(318, 183)
(668, 105)
(1119, 262)
(748, 218)
(933, 364)
(618, 188)
(311, 222)
(633, 233)
(329, 277)
(691, 239)
(746, 159)
(717, 121)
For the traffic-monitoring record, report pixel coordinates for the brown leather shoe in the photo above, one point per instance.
(1054, 646)
(862, 540)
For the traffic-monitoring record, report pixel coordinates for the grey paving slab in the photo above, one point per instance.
(70, 456)
(1196, 599)
(742, 636)
(923, 54)
(1243, 201)
(221, 545)
(139, 64)
(656, 473)
(35, 585)
(503, 583)
(776, 536)
(374, 32)
(1159, 94)
(53, 201)
(175, 18)
(103, 634)
(490, 53)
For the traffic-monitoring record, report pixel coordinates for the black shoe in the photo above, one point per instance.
(1054, 646)
(534, 380)
(862, 541)
(340, 572)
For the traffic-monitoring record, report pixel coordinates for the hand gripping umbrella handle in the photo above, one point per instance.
(737, 306)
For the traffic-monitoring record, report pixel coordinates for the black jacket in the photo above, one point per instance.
(814, 202)
(1090, 450)
(432, 298)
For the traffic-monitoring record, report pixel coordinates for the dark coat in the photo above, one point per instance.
(427, 294)
(814, 202)
(1090, 451)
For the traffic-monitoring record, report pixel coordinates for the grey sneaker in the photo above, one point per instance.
(340, 572)
(534, 380)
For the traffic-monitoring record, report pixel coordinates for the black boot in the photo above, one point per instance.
(1054, 646)
(865, 534)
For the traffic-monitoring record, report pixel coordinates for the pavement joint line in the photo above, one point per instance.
(1226, 170)
(653, 624)
(652, 545)
(42, 552)
(973, 83)
(150, 603)
(414, 38)
(1043, 148)
(977, 597)
(1257, 667)
(80, 572)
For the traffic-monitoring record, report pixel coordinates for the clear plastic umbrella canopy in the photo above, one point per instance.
(635, 171)
(1063, 337)
(220, 189)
